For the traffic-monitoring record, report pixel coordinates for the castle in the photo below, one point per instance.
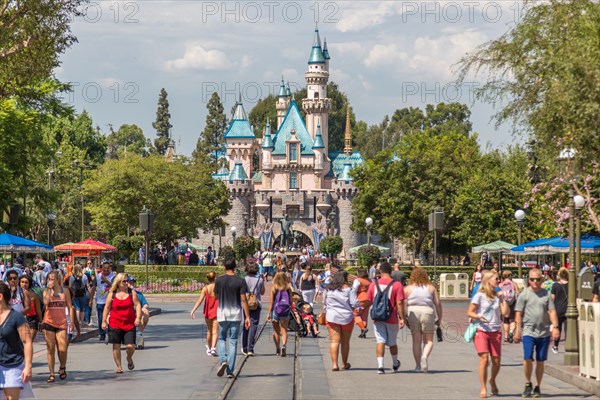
(296, 174)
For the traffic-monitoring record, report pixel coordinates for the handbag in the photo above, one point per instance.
(321, 319)
(470, 332)
(439, 334)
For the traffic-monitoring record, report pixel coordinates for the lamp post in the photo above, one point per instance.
(233, 233)
(579, 202)
(245, 216)
(519, 217)
(369, 223)
(146, 226)
(82, 165)
(571, 345)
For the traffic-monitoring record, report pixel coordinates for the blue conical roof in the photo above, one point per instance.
(325, 51)
(288, 92)
(316, 53)
(240, 126)
(238, 173)
(267, 142)
(282, 91)
(345, 175)
(318, 144)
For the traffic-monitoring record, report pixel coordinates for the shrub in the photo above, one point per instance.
(331, 245)
(227, 253)
(368, 254)
(245, 246)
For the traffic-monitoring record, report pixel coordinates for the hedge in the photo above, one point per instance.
(178, 272)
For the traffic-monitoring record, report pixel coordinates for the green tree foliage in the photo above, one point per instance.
(495, 189)
(227, 253)
(128, 139)
(402, 185)
(33, 35)
(544, 73)
(368, 254)
(265, 108)
(183, 198)
(331, 245)
(245, 246)
(162, 124)
(211, 140)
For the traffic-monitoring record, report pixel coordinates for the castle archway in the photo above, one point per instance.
(302, 233)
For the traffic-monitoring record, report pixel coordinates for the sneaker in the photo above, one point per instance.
(283, 353)
(102, 337)
(380, 371)
(230, 376)
(424, 366)
(417, 369)
(396, 366)
(207, 350)
(277, 352)
(555, 350)
(250, 353)
(527, 391)
(222, 369)
(213, 352)
(537, 392)
(244, 352)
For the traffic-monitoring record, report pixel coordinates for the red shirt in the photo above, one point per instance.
(395, 294)
(211, 303)
(122, 314)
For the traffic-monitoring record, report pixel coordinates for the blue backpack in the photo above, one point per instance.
(381, 309)
(282, 303)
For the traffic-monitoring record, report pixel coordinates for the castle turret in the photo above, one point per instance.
(317, 105)
(267, 164)
(283, 102)
(240, 139)
(318, 147)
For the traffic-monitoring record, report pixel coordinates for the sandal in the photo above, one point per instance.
(119, 371)
(62, 375)
(347, 366)
(130, 366)
(51, 379)
(334, 369)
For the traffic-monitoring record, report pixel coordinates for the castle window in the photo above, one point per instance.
(293, 152)
(316, 95)
(293, 180)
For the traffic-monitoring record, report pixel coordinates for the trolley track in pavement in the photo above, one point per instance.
(275, 382)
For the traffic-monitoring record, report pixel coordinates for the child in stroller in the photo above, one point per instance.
(310, 320)
(297, 324)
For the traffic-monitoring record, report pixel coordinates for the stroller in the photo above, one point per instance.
(297, 324)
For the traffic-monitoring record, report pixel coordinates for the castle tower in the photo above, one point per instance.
(317, 148)
(283, 102)
(240, 140)
(317, 105)
(267, 164)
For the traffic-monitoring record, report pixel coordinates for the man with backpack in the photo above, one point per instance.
(387, 312)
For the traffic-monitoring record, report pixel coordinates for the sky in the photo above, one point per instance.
(385, 55)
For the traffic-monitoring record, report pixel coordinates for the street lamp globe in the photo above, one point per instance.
(233, 230)
(519, 215)
(369, 221)
(579, 201)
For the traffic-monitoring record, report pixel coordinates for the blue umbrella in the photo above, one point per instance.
(533, 247)
(589, 244)
(10, 242)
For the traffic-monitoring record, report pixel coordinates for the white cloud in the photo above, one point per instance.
(383, 55)
(360, 15)
(198, 58)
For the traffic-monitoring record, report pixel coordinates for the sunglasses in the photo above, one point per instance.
(536, 279)
(13, 278)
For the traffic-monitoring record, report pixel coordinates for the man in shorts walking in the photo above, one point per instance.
(534, 313)
(231, 291)
(387, 331)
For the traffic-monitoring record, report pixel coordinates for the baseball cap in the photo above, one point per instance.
(130, 278)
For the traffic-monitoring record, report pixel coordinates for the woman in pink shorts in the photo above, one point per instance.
(486, 306)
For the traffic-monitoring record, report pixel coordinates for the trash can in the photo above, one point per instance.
(585, 285)
(593, 333)
(582, 327)
(447, 286)
(462, 284)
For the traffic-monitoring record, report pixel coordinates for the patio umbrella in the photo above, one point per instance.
(355, 249)
(89, 245)
(533, 247)
(590, 244)
(498, 246)
(10, 242)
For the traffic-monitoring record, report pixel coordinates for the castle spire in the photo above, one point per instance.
(348, 134)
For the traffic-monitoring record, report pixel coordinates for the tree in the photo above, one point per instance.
(211, 141)
(33, 35)
(544, 73)
(245, 246)
(128, 139)
(402, 185)
(183, 197)
(162, 124)
(368, 254)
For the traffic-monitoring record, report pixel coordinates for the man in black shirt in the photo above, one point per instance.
(231, 291)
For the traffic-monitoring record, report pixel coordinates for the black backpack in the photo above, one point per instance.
(78, 286)
(381, 309)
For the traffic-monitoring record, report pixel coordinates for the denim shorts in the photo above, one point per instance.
(275, 317)
(541, 346)
(385, 333)
(80, 303)
(11, 377)
(265, 270)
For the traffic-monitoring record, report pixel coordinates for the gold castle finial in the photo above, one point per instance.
(348, 134)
